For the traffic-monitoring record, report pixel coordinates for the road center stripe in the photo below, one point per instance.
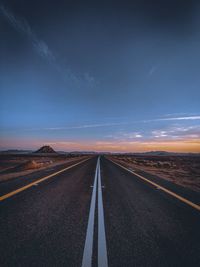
(102, 250)
(88, 248)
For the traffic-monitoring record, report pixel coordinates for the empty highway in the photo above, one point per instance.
(95, 213)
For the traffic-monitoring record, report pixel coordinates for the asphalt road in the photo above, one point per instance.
(96, 214)
(45, 225)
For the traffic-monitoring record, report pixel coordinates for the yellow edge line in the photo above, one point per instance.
(186, 201)
(12, 193)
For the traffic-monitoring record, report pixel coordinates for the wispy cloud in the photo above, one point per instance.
(177, 132)
(22, 26)
(180, 114)
(179, 118)
(116, 124)
(85, 126)
(127, 136)
(159, 133)
(89, 78)
(153, 70)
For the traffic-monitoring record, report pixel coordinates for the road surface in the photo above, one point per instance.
(96, 214)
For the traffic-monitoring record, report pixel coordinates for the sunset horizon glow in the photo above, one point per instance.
(179, 146)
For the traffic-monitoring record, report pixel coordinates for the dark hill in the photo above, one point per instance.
(45, 149)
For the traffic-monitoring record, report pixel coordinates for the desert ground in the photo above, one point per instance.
(182, 170)
(16, 165)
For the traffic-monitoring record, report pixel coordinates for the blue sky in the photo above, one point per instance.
(100, 76)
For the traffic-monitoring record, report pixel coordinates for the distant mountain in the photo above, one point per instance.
(45, 150)
(159, 153)
(165, 153)
(16, 151)
(83, 152)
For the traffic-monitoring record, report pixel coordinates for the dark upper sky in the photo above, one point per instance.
(99, 73)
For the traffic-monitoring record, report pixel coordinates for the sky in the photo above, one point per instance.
(119, 76)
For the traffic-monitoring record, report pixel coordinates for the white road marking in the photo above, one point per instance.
(162, 188)
(87, 253)
(88, 248)
(102, 249)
